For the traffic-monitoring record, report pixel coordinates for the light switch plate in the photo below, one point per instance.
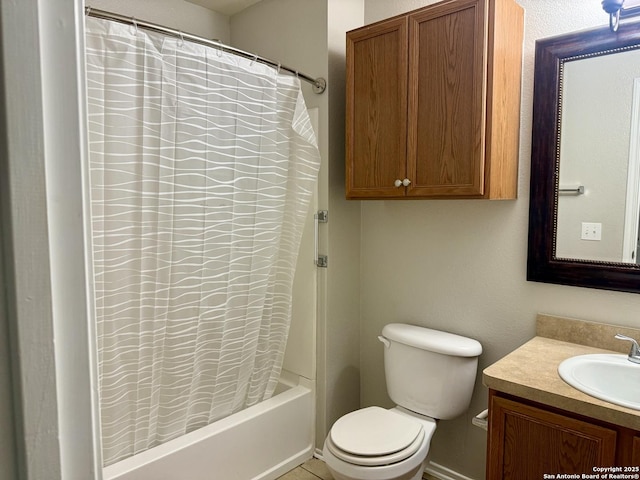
(591, 231)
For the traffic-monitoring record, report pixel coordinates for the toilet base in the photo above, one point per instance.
(415, 474)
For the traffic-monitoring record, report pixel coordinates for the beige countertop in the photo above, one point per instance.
(531, 372)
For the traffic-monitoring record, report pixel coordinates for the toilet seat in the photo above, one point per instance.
(374, 436)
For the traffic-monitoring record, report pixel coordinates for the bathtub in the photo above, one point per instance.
(259, 443)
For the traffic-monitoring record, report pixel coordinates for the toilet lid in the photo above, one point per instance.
(375, 432)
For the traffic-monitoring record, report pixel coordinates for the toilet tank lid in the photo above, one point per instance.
(432, 340)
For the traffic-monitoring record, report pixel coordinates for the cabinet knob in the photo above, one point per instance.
(402, 183)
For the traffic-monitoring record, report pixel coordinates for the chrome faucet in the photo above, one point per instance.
(634, 354)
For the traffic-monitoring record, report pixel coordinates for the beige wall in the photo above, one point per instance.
(341, 349)
(7, 437)
(461, 265)
(27, 292)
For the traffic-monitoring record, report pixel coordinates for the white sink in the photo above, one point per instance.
(612, 378)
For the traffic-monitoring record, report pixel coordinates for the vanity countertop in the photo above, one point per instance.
(531, 372)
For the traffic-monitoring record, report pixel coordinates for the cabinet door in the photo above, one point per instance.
(527, 442)
(376, 120)
(447, 100)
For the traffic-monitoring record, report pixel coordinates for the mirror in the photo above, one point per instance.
(597, 212)
(585, 160)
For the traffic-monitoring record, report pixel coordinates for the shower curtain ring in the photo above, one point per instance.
(181, 44)
(87, 11)
(279, 65)
(135, 26)
(219, 49)
(255, 59)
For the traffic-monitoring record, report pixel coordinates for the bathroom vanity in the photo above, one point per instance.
(539, 425)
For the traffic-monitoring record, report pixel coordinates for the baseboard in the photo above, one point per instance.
(443, 473)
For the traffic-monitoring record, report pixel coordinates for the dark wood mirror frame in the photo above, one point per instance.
(542, 265)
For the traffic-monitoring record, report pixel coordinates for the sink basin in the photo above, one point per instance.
(609, 377)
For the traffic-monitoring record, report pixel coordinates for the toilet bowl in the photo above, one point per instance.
(429, 375)
(378, 444)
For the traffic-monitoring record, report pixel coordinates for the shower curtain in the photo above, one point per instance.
(202, 166)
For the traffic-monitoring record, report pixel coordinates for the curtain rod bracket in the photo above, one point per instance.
(320, 86)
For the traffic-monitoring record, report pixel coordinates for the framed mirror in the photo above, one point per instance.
(584, 212)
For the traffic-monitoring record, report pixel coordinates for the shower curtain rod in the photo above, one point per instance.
(319, 84)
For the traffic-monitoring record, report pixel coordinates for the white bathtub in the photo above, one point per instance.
(259, 443)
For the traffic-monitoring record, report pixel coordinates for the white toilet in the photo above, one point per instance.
(430, 375)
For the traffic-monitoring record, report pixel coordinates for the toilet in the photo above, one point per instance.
(430, 376)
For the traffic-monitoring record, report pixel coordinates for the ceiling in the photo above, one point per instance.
(226, 7)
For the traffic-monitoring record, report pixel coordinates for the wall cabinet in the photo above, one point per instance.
(433, 102)
(527, 440)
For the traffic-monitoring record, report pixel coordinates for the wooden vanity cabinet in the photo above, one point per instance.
(635, 454)
(528, 440)
(433, 102)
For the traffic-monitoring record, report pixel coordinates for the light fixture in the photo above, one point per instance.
(618, 9)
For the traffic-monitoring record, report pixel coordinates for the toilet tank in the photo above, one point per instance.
(429, 371)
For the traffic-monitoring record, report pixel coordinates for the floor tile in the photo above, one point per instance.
(318, 468)
(298, 474)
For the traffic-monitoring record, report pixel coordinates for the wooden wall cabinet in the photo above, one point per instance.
(433, 103)
(527, 441)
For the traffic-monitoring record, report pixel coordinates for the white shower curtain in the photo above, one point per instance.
(202, 166)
